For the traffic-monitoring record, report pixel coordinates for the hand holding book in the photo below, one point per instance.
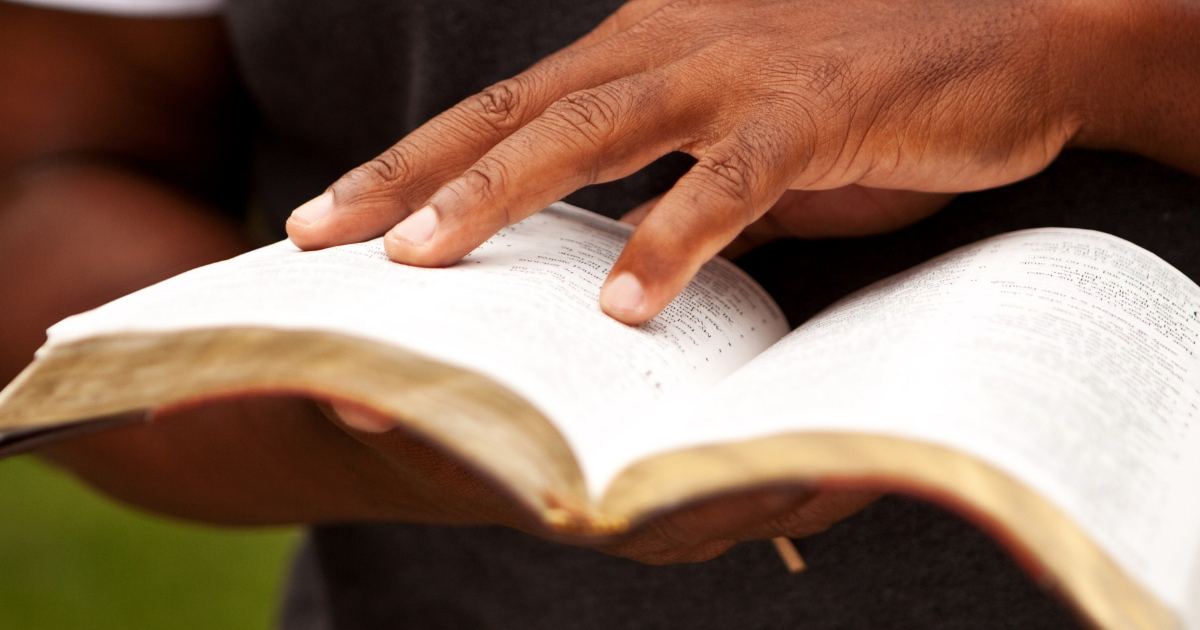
(698, 532)
(1044, 381)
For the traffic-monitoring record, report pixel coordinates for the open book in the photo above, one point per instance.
(1044, 383)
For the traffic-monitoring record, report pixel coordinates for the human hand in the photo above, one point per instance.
(830, 97)
(711, 527)
(848, 211)
(271, 460)
(695, 533)
(267, 460)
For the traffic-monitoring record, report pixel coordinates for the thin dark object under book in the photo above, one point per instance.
(26, 440)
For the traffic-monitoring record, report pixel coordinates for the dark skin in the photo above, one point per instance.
(885, 109)
(82, 96)
(808, 118)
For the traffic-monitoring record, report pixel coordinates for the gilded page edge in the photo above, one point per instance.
(1051, 546)
(465, 413)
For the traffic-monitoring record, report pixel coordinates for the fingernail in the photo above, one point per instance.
(313, 210)
(624, 294)
(364, 420)
(419, 227)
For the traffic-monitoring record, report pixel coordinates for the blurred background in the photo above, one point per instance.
(72, 560)
(116, 132)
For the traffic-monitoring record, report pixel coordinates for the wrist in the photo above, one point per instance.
(1138, 86)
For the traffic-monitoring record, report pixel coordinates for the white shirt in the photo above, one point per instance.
(133, 8)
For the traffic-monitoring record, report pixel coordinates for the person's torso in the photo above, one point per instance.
(336, 82)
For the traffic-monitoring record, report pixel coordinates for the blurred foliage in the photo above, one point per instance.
(70, 560)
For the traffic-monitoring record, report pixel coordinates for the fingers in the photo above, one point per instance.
(813, 516)
(854, 210)
(841, 212)
(357, 417)
(706, 530)
(426, 483)
(589, 136)
(372, 198)
(635, 216)
(694, 534)
(730, 186)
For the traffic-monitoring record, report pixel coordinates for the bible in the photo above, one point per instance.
(1043, 383)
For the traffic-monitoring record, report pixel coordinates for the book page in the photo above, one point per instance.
(1191, 612)
(1066, 358)
(521, 309)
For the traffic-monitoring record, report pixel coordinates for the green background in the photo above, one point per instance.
(70, 559)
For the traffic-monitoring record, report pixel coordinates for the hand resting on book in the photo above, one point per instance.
(853, 103)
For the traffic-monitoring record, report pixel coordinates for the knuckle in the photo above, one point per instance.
(675, 11)
(669, 537)
(487, 179)
(829, 74)
(659, 22)
(379, 180)
(803, 86)
(392, 165)
(730, 174)
(797, 523)
(501, 105)
(592, 114)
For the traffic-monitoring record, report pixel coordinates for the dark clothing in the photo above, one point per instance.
(337, 81)
(897, 565)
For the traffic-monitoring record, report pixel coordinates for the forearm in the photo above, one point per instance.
(1142, 92)
(87, 101)
(76, 235)
(73, 236)
(276, 460)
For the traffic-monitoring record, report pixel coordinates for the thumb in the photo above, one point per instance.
(840, 212)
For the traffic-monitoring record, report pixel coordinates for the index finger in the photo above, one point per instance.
(375, 196)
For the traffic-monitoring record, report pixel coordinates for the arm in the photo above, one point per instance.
(95, 115)
(838, 118)
(91, 106)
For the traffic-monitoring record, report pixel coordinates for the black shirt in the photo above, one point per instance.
(336, 82)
